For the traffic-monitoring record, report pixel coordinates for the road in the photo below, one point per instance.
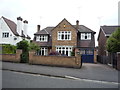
(11, 79)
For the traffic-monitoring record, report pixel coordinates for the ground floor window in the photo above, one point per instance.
(64, 50)
(43, 51)
(86, 51)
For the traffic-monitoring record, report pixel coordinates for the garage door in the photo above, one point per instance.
(87, 55)
(87, 58)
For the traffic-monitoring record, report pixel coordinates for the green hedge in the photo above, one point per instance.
(8, 49)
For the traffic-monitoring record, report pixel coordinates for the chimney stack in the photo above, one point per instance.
(25, 27)
(19, 25)
(77, 24)
(38, 28)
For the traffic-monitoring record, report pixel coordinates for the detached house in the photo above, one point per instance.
(12, 33)
(104, 33)
(65, 38)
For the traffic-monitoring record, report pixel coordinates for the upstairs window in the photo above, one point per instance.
(85, 36)
(5, 35)
(64, 35)
(42, 38)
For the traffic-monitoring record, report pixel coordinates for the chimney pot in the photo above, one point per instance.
(19, 18)
(77, 22)
(25, 21)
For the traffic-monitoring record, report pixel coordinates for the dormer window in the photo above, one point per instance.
(85, 36)
(42, 38)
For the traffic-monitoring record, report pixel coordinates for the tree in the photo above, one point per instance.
(24, 45)
(33, 46)
(113, 42)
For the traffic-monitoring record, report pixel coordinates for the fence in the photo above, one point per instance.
(112, 58)
(65, 61)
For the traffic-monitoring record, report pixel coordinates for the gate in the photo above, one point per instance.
(87, 58)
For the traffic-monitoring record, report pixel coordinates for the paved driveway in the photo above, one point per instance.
(88, 71)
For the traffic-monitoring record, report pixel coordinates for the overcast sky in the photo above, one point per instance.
(91, 13)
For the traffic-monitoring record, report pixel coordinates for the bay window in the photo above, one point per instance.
(64, 50)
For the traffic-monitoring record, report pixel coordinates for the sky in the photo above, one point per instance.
(91, 13)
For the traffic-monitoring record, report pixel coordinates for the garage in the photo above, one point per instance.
(87, 56)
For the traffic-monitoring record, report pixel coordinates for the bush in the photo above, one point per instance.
(24, 57)
(72, 53)
(33, 46)
(8, 49)
(55, 53)
(24, 45)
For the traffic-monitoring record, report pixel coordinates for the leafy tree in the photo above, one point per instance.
(24, 45)
(33, 46)
(113, 42)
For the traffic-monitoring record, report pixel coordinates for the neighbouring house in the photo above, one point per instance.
(12, 33)
(104, 33)
(65, 38)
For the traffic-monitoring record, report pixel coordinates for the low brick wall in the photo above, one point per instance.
(11, 57)
(55, 60)
(118, 61)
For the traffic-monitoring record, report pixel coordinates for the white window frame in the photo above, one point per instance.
(85, 36)
(5, 35)
(42, 38)
(64, 35)
(66, 49)
(44, 50)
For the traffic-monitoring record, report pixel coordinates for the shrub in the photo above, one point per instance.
(24, 45)
(33, 46)
(55, 53)
(8, 49)
(24, 57)
(73, 53)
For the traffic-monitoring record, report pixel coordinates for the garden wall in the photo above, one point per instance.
(65, 61)
(11, 57)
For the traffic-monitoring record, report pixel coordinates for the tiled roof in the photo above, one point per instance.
(11, 25)
(46, 30)
(109, 29)
(81, 28)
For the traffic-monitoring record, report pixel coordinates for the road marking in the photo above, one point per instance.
(88, 80)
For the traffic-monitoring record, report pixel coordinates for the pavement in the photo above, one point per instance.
(96, 72)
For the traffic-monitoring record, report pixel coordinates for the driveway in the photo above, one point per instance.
(98, 72)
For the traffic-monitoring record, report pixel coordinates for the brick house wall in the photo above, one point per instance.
(64, 26)
(101, 43)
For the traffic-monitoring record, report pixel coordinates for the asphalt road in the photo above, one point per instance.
(12, 79)
(98, 72)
